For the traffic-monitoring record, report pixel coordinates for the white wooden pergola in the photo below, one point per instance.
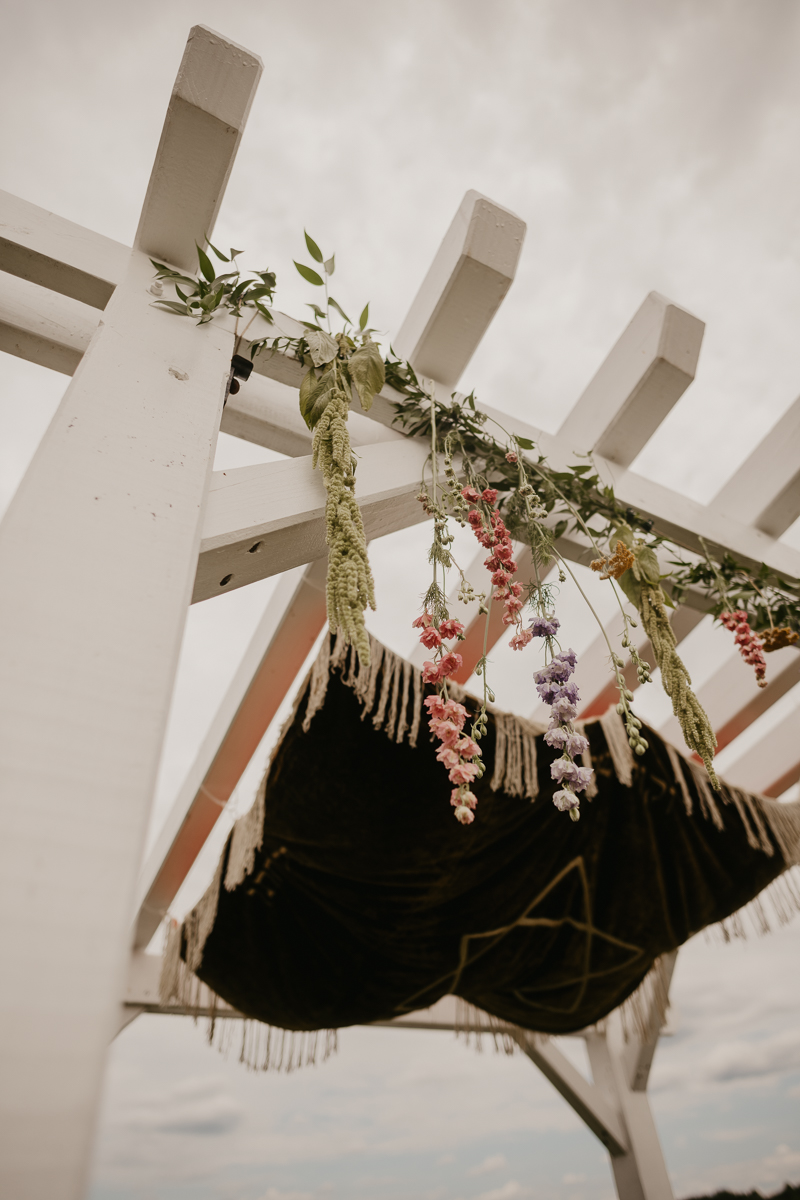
(120, 524)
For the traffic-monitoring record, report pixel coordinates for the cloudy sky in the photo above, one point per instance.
(647, 146)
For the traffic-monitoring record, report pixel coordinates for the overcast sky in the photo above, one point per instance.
(648, 145)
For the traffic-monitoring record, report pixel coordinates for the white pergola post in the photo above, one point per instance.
(98, 554)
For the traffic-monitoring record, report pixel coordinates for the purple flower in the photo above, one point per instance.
(563, 710)
(564, 800)
(584, 778)
(544, 626)
(557, 737)
(568, 656)
(575, 744)
(564, 770)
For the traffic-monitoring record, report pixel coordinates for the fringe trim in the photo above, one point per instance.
(247, 838)
(618, 746)
(515, 768)
(473, 1024)
(777, 904)
(644, 1013)
(200, 921)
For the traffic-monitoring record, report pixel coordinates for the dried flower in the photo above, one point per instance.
(750, 644)
(776, 639)
(616, 564)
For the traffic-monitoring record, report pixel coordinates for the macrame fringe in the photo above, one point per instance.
(473, 1024)
(515, 769)
(777, 904)
(616, 736)
(263, 1047)
(645, 1011)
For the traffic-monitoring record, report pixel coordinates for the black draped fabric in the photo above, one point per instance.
(367, 899)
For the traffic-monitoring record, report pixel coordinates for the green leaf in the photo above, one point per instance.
(235, 254)
(581, 470)
(321, 346)
(330, 264)
(339, 309)
(318, 312)
(205, 264)
(218, 253)
(647, 563)
(525, 443)
(631, 587)
(313, 248)
(172, 306)
(367, 373)
(623, 533)
(560, 528)
(362, 320)
(309, 275)
(315, 395)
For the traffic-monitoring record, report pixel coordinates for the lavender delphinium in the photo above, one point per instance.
(556, 688)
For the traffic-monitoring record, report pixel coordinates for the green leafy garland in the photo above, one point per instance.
(537, 503)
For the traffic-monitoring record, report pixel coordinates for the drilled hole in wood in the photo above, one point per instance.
(225, 580)
(254, 549)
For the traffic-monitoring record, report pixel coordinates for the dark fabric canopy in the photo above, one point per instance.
(350, 894)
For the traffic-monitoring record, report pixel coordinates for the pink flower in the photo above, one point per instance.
(463, 773)
(468, 748)
(490, 495)
(448, 756)
(513, 604)
(431, 672)
(464, 815)
(520, 640)
(470, 494)
(447, 665)
(450, 628)
(455, 712)
(462, 796)
(500, 578)
(474, 517)
(447, 733)
(515, 589)
(436, 707)
(422, 622)
(511, 457)
(430, 638)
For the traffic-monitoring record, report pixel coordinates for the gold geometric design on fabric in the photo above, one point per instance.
(466, 959)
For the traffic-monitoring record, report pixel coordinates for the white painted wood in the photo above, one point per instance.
(643, 377)
(43, 327)
(765, 491)
(638, 1053)
(207, 113)
(282, 505)
(585, 1098)
(39, 246)
(285, 635)
(641, 1173)
(463, 289)
(757, 768)
(267, 412)
(97, 557)
(677, 516)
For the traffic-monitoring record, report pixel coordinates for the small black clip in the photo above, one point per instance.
(241, 368)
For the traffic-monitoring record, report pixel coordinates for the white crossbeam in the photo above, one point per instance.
(44, 327)
(643, 377)
(757, 768)
(97, 557)
(265, 519)
(283, 639)
(765, 491)
(48, 250)
(207, 113)
(463, 289)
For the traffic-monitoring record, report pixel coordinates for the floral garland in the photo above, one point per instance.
(507, 496)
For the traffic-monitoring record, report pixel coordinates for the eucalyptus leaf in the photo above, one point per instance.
(330, 264)
(309, 275)
(172, 306)
(218, 253)
(367, 373)
(321, 346)
(313, 248)
(205, 264)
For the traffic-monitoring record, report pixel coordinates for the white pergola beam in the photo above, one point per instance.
(43, 327)
(265, 519)
(640, 381)
(207, 113)
(765, 491)
(463, 289)
(677, 516)
(45, 249)
(280, 645)
(757, 768)
(98, 552)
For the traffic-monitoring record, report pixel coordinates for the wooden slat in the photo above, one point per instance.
(463, 289)
(763, 765)
(42, 248)
(640, 381)
(207, 113)
(765, 491)
(43, 327)
(280, 645)
(263, 520)
(783, 782)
